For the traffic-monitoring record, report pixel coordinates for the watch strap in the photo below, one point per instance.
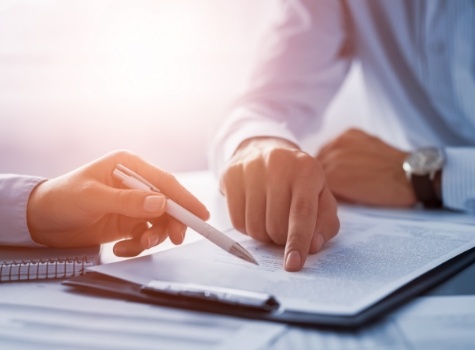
(425, 191)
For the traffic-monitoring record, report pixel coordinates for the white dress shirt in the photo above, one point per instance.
(14, 193)
(418, 64)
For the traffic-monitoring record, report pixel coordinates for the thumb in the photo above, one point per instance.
(132, 203)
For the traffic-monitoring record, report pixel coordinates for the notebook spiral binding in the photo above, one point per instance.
(24, 270)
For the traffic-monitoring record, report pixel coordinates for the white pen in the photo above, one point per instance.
(132, 180)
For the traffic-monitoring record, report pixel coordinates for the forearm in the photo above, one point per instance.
(299, 70)
(14, 194)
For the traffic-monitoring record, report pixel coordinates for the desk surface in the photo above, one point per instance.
(463, 283)
(45, 302)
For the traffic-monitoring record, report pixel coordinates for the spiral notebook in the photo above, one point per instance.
(22, 264)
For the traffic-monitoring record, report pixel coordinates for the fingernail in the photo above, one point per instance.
(154, 240)
(293, 260)
(153, 204)
(127, 248)
(120, 251)
(320, 242)
(116, 250)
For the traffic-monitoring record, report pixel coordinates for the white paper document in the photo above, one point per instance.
(369, 259)
(419, 213)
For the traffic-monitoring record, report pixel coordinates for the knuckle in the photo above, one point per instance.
(169, 182)
(125, 198)
(303, 207)
(252, 168)
(288, 158)
(343, 139)
(308, 166)
(122, 154)
(170, 178)
(226, 177)
(231, 177)
(278, 156)
(294, 163)
(353, 131)
(233, 170)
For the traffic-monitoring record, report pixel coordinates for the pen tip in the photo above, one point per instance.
(252, 260)
(240, 252)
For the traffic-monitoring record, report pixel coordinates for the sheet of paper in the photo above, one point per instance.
(442, 215)
(370, 258)
(49, 315)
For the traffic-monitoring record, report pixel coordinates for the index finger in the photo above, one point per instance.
(302, 222)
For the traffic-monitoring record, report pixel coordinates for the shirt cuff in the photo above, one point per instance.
(15, 191)
(458, 179)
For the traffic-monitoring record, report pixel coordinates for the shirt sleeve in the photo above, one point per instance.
(302, 62)
(458, 179)
(14, 193)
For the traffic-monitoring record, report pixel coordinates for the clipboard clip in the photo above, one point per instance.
(214, 295)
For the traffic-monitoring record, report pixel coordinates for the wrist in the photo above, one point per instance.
(34, 213)
(423, 169)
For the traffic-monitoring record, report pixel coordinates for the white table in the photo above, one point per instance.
(88, 321)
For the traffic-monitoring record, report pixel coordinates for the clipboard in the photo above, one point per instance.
(263, 307)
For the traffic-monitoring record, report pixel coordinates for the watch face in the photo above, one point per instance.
(424, 161)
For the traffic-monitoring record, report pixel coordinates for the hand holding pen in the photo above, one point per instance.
(133, 180)
(88, 206)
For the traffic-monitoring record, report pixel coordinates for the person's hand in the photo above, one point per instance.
(277, 193)
(361, 168)
(88, 207)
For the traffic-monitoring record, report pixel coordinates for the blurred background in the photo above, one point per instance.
(79, 78)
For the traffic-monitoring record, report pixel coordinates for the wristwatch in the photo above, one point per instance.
(421, 167)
